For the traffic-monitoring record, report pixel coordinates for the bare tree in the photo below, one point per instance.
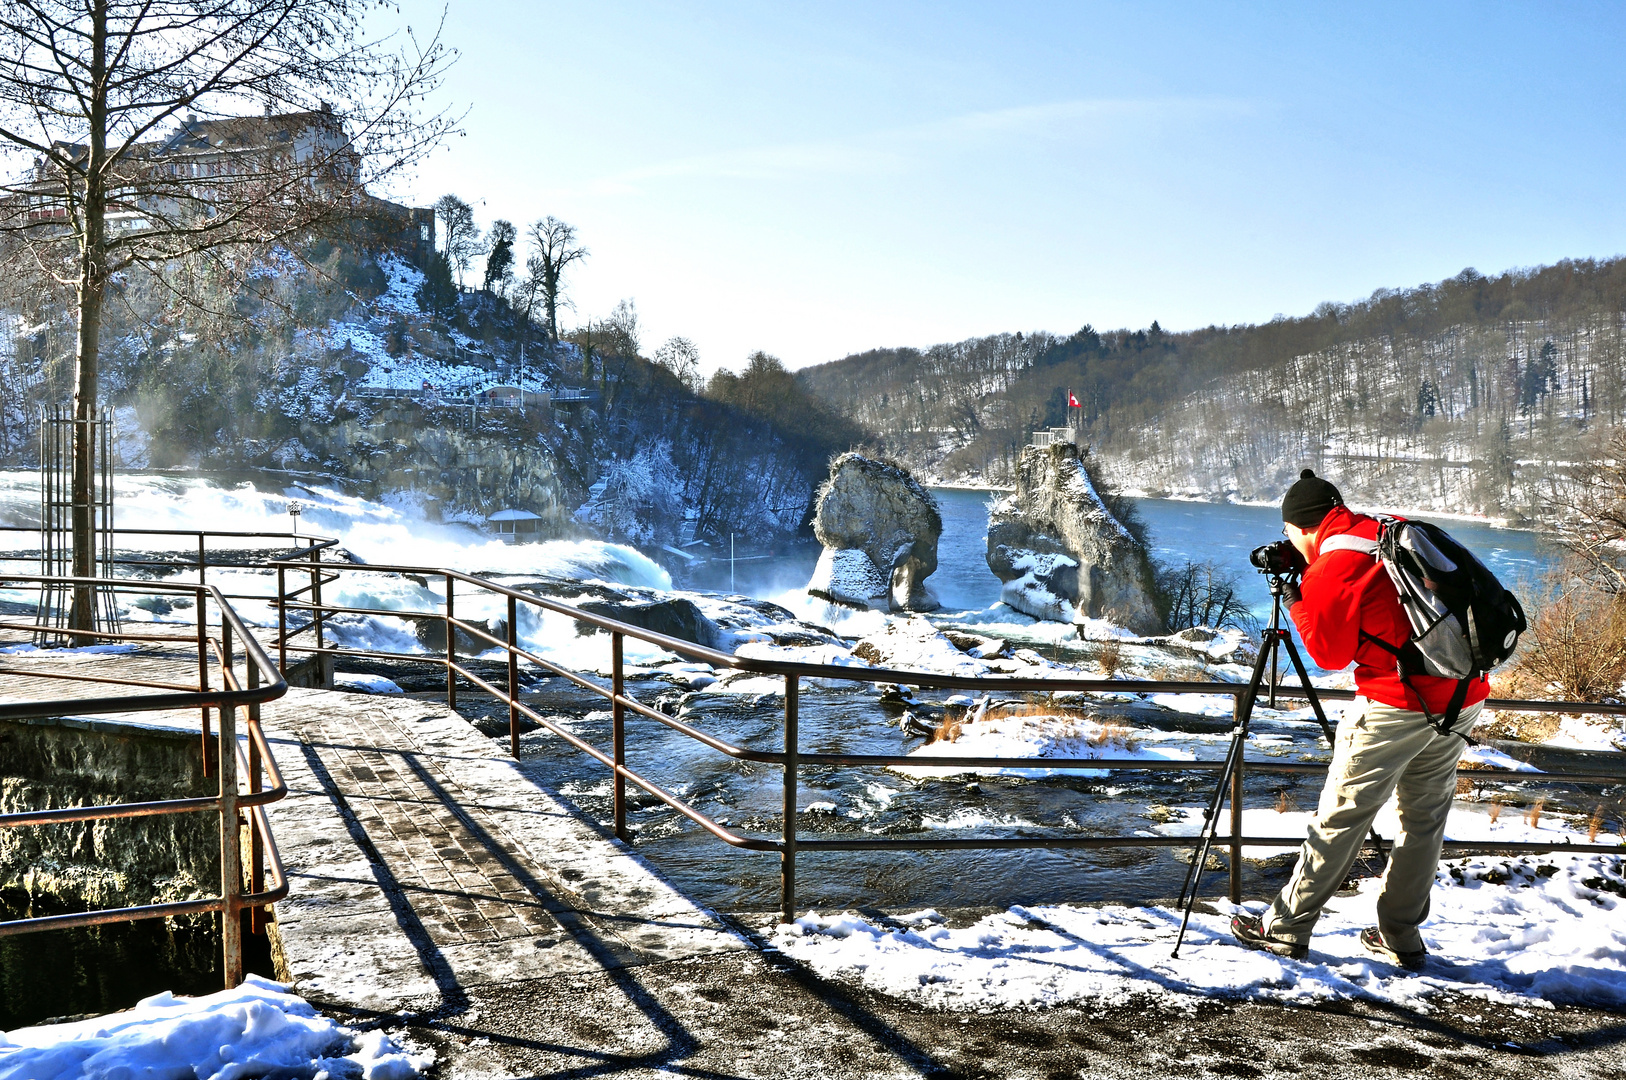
(1203, 594)
(112, 167)
(459, 235)
(1587, 508)
(680, 356)
(556, 248)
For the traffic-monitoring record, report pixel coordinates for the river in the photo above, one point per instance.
(859, 802)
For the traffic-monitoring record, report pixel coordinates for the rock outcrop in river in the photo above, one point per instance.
(1061, 553)
(879, 529)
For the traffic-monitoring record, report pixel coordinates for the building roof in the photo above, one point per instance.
(514, 515)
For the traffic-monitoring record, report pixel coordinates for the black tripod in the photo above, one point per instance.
(1274, 637)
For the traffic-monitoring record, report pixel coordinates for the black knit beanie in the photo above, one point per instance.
(1308, 501)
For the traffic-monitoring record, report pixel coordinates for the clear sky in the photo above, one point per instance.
(819, 179)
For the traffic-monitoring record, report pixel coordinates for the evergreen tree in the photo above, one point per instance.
(438, 294)
(500, 260)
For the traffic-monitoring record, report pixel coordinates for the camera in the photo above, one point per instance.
(1280, 558)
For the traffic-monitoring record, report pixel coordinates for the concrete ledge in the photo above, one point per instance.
(424, 863)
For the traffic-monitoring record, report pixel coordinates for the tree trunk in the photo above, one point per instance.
(91, 287)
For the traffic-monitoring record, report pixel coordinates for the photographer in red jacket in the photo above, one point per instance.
(1347, 611)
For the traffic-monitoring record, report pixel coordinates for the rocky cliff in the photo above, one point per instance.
(1061, 553)
(461, 466)
(879, 529)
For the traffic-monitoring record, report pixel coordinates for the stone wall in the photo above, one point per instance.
(45, 764)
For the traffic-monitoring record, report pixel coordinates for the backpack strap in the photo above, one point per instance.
(1453, 709)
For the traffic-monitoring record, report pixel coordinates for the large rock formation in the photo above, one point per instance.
(1061, 553)
(879, 529)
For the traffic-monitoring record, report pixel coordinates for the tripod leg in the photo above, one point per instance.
(1239, 738)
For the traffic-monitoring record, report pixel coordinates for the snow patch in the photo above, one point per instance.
(258, 1029)
(1516, 931)
(366, 684)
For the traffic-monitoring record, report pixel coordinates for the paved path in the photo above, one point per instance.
(423, 863)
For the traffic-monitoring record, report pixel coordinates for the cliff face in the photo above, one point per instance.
(1060, 552)
(879, 529)
(500, 461)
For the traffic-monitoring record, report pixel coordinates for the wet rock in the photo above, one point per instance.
(879, 529)
(674, 617)
(1061, 553)
(983, 648)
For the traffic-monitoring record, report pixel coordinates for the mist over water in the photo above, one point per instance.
(393, 531)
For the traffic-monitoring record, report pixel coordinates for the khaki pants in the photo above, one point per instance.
(1379, 750)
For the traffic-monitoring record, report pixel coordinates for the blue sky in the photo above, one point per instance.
(814, 180)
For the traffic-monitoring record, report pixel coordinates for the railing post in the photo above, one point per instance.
(618, 723)
(282, 621)
(201, 607)
(1236, 809)
(451, 646)
(256, 843)
(513, 678)
(787, 850)
(316, 599)
(227, 660)
(202, 564)
(231, 865)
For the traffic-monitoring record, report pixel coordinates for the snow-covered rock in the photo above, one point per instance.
(1062, 554)
(879, 529)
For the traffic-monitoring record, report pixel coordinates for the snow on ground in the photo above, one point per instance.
(1468, 822)
(1536, 931)
(401, 295)
(81, 650)
(1589, 733)
(366, 684)
(1043, 737)
(258, 1029)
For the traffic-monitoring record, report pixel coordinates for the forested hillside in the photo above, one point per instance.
(343, 359)
(1466, 394)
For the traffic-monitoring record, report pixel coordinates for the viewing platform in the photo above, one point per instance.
(435, 888)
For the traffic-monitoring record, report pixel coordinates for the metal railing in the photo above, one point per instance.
(127, 560)
(792, 759)
(238, 766)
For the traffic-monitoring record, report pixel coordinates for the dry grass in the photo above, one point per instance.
(1074, 722)
(1532, 816)
(1594, 824)
(1161, 672)
(1109, 656)
(1284, 802)
(1576, 645)
(1495, 809)
(1523, 727)
(1114, 735)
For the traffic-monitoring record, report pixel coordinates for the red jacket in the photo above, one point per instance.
(1346, 592)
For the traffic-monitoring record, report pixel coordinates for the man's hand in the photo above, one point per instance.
(1291, 594)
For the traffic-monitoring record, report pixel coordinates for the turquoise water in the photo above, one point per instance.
(1198, 531)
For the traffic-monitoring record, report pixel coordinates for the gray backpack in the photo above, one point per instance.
(1463, 621)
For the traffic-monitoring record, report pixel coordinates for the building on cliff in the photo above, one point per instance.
(203, 163)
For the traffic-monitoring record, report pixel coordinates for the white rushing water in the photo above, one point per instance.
(393, 532)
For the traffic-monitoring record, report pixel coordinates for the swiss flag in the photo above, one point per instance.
(1072, 402)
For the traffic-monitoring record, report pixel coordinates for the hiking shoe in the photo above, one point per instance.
(1250, 932)
(1372, 941)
